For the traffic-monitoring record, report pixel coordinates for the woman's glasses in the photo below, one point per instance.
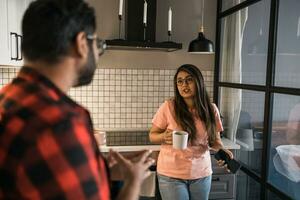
(188, 80)
(101, 44)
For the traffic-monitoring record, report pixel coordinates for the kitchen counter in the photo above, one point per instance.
(129, 148)
(228, 144)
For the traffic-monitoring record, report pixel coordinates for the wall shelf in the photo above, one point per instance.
(143, 45)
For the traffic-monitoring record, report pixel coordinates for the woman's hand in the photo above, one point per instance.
(168, 137)
(221, 163)
(160, 136)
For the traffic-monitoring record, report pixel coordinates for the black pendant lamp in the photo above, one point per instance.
(201, 45)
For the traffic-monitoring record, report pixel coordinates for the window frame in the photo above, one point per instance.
(269, 88)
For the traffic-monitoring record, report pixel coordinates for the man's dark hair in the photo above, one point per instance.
(50, 27)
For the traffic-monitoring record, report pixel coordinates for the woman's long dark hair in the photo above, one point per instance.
(204, 108)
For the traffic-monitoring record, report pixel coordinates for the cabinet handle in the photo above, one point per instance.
(19, 49)
(216, 179)
(11, 48)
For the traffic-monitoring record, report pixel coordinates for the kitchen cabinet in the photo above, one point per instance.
(223, 184)
(15, 13)
(11, 13)
(4, 41)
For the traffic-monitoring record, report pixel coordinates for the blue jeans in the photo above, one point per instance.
(179, 189)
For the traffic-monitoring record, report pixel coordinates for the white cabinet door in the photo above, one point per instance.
(4, 37)
(15, 13)
(11, 14)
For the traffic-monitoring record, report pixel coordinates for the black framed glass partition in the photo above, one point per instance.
(284, 160)
(288, 45)
(247, 187)
(243, 112)
(257, 89)
(244, 45)
(230, 3)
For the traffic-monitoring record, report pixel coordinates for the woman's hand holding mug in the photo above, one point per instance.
(167, 137)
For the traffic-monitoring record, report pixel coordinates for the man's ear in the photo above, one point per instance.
(81, 46)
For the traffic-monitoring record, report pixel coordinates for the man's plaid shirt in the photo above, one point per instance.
(47, 148)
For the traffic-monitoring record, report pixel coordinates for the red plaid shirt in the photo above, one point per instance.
(47, 148)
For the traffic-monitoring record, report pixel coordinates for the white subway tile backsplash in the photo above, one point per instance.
(122, 98)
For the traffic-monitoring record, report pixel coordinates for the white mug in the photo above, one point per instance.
(180, 139)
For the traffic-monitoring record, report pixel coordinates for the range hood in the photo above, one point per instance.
(137, 37)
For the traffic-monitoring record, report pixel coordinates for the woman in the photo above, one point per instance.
(186, 174)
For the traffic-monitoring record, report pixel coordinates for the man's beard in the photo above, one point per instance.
(86, 73)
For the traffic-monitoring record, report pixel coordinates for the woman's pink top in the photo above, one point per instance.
(191, 163)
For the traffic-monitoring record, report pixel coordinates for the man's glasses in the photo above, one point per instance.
(101, 44)
(188, 80)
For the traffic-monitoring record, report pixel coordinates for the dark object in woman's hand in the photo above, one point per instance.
(232, 164)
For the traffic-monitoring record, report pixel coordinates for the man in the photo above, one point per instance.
(47, 149)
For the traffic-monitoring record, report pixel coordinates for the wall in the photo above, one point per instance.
(186, 22)
(122, 98)
(129, 86)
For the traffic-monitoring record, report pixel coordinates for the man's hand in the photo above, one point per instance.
(133, 168)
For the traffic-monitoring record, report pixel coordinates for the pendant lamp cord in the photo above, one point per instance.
(202, 16)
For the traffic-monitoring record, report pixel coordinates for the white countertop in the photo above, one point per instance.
(228, 144)
(130, 148)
